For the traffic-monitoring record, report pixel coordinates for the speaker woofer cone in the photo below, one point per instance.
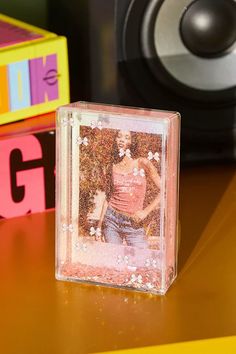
(161, 42)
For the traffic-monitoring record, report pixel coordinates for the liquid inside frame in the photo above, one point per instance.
(117, 196)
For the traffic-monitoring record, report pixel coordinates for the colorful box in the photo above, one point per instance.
(27, 166)
(117, 196)
(33, 71)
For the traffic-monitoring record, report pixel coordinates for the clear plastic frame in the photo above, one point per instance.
(117, 196)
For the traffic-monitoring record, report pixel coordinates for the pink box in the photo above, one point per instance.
(27, 166)
(117, 196)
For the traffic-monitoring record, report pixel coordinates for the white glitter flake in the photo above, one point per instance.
(82, 141)
(66, 227)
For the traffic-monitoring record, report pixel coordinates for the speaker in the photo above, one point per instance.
(166, 54)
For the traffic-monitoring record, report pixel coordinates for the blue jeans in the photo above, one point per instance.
(118, 227)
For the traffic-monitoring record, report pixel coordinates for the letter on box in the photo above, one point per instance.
(32, 180)
(19, 83)
(4, 102)
(43, 79)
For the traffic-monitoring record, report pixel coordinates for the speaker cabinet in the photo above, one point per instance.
(166, 54)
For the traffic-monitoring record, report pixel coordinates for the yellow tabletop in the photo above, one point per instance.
(41, 315)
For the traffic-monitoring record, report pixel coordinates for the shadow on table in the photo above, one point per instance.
(201, 189)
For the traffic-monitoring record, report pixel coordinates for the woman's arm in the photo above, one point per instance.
(103, 212)
(151, 171)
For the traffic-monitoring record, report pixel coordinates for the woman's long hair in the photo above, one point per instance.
(115, 159)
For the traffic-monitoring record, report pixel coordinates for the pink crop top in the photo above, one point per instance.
(129, 192)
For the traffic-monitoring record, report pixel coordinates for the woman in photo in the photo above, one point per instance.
(123, 211)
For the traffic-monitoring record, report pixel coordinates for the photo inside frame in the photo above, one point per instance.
(119, 190)
(112, 200)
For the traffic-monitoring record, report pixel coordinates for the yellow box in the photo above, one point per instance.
(33, 70)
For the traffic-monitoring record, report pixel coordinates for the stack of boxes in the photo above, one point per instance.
(33, 83)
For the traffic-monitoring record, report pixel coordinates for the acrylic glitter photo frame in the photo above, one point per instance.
(117, 196)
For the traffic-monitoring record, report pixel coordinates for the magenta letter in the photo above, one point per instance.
(43, 79)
